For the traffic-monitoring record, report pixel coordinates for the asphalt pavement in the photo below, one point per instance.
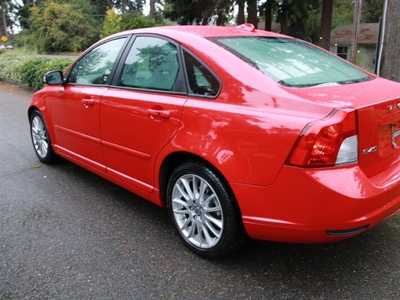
(68, 234)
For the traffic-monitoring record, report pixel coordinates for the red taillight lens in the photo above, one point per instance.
(319, 143)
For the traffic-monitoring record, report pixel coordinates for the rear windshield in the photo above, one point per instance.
(291, 62)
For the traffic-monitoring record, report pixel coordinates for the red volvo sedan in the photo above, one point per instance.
(237, 132)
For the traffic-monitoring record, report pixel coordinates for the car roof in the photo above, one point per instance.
(204, 31)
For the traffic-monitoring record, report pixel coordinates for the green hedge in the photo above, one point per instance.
(26, 68)
(32, 71)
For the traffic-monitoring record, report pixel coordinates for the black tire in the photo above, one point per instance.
(203, 210)
(40, 138)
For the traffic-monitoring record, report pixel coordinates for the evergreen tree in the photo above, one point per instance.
(60, 27)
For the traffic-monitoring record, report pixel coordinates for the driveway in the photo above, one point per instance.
(68, 234)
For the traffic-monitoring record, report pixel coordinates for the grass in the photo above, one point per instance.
(11, 62)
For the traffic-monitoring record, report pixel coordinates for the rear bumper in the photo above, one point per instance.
(318, 206)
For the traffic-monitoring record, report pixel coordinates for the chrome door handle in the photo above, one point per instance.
(87, 102)
(159, 113)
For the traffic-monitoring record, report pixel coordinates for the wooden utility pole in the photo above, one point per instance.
(326, 24)
(356, 30)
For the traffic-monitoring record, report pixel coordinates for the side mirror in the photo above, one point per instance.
(53, 78)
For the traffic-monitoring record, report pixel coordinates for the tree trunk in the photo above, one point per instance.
(326, 24)
(268, 15)
(152, 13)
(240, 16)
(284, 22)
(4, 18)
(390, 63)
(252, 12)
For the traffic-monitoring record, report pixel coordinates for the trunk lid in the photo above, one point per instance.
(378, 116)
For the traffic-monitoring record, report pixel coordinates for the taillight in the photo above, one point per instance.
(328, 142)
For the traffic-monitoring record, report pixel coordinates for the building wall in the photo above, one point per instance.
(365, 55)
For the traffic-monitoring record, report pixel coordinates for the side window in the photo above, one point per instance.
(201, 80)
(152, 63)
(96, 65)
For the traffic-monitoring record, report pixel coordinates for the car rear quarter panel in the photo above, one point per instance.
(246, 144)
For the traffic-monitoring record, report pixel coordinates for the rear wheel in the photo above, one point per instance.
(203, 210)
(40, 138)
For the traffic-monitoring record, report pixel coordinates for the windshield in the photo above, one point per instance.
(291, 62)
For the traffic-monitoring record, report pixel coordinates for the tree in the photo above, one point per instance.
(100, 7)
(6, 24)
(153, 11)
(300, 19)
(134, 20)
(112, 23)
(371, 11)
(390, 64)
(62, 27)
(188, 12)
(128, 5)
(21, 9)
(252, 12)
(266, 9)
(240, 17)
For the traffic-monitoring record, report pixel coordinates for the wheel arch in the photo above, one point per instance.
(177, 158)
(31, 109)
(46, 121)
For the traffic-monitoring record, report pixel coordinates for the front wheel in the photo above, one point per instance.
(40, 138)
(203, 210)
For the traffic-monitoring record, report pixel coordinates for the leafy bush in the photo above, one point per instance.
(138, 22)
(24, 39)
(11, 61)
(32, 71)
(28, 68)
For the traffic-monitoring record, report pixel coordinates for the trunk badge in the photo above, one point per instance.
(370, 150)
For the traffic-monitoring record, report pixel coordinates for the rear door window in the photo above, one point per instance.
(152, 63)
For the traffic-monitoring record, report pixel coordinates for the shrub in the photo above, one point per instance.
(32, 71)
(28, 68)
(138, 22)
(24, 39)
(10, 63)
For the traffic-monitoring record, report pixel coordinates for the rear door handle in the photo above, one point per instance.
(159, 113)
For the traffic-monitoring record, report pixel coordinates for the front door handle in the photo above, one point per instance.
(159, 113)
(87, 102)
